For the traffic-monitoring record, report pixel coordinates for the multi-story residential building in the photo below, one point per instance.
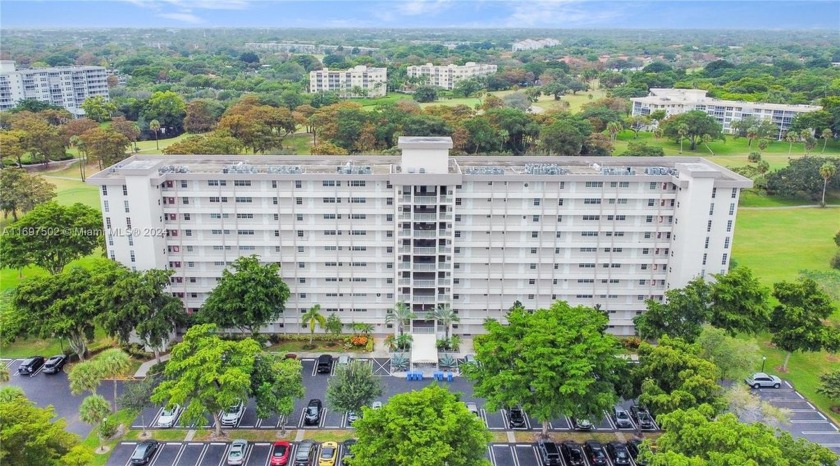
(676, 101)
(65, 87)
(356, 235)
(531, 44)
(359, 81)
(447, 76)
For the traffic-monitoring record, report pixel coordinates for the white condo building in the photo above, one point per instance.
(676, 101)
(66, 87)
(357, 234)
(447, 76)
(531, 44)
(350, 83)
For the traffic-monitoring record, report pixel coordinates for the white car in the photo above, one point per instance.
(231, 415)
(169, 416)
(473, 408)
(762, 380)
(376, 405)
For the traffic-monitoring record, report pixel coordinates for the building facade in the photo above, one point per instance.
(359, 81)
(676, 101)
(356, 235)
(447, 76)
(66, 87)
(531, 44)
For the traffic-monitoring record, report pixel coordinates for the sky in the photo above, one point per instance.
(554, 14)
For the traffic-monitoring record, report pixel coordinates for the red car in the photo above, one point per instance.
(280, 453)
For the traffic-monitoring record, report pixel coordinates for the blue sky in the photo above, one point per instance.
(674, 14)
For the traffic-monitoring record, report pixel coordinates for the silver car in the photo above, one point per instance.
(473, 408)
(236, 454)
(762, 380)
(169, 416)
(622, 418)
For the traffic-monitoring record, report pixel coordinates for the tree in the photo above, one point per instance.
(77, 456)
(41, 139)
(276, 383)
(128, 129)
(22, 191)
(830, 385)
(354, 386)
(260, 127)
(739, 302)
(419, 428)
(168, 108)
(140, 304)
(597, 145)
(32, 435)
(425, 94)
(401, 314)
(113, 363)
(311, 318)
(247, 298)
(797, 321)
(693, 125)
(790, 138)
(206, 374)
(11, 145)
(538, 355)
(446, 317)
(85, 377)
(827, 171)
(802, 178)
(749, 407)
(466, 87)
(218, 143)
(735, 357)
(199, 116)
(94, 410)
(682, 315)
(517, 100)
(614, 127)
(673, 375)
(137, 394)
(643, 149)
(77, 127)
(333, 324)
(98, 108)
(154, 126)
(706, 138)
(826, 135)
(105, 145)
(561, 138)
(52, 235)
(4, 373)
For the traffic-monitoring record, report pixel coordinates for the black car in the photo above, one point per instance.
(642, 417)
(55, 364)
(31, 365)
(634, 446)
(517, 417)
(312, 415)
(144, 451)
(573, 453)
(325, 364)
(596, 453)
(549, 453)
(618, 454)
(345, 451)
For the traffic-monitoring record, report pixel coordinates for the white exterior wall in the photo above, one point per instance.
(356, 243)
(66, 87)
(374, 80)
(447, 76)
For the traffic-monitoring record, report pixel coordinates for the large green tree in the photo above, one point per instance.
(561, 138)
(29, 434)
(98, 108)
(696, 124)
(739, 302)
(682, 315)
(206, 374)
(51, 236)
(248, 296)
(420, 428)
(802, 178)
(105, 145)
(735, 357)
(553, 362)
(21, 191)
(113, 364)
(353, 387)
(830, 385)
(168, 108)
(276, 383)
(797, 322)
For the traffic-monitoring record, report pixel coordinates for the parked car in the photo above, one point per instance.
(31, 365)
(582, 424)
(313, 412)
(634, 446)
(762, 380)
(231, 416)
(642, 417)
(595, 453)
(473, 408)
(236, 454)
(325, 364)
(618, 454)
(549, 453)
(352, 416)
(346, 451)
(280, 453)
(55, 364)
(572, 453)
(517, 417)
(622, 418)
(168, 416)
(376, 405)
(329, 454)
(343, 360)
(305, 454)
(144, 451)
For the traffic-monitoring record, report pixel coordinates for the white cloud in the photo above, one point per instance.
(399, 10)
(562, 13)
(185, 17)
(210, 4)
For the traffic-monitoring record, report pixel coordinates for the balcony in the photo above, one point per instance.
(425, 200)
(424, 217)
(443, 249)
(424, 267)
(405, 266)
(404, 282)
(445, 265)
(443, 282)
(424, 283)
(426, 251)
(423, 300)
(425, 234)
(444, 298)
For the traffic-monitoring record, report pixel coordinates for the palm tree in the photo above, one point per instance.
(706, 140)
(827, 170)
(154, 125)
(682, 132)
(614, 127)
(446, 316)
(752, 133)
(401, 314)
(113, 363)
(310, 318)
(77, 142)
(790, 137)
(826, 134)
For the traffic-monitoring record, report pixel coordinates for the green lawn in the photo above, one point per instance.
(123, 416)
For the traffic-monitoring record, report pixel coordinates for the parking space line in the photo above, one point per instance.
(482, 414)
(492, 455)
(200, 455)
(314, 370)
(300, 421)
(513, 451)
(610, 421)
(323, 418)
(799, 395)
(817, 432)
(248, 453)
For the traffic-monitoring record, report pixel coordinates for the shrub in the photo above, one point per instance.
(136, 350)
(631, 343)
(447, 361)
(835, 261)
(108, 428)
(442, 344)
(275, 338)
(455, 343)
(369, 345)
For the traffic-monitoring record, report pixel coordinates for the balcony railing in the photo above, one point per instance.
(425, 200)
(424, 217)
(425, 267)
(405, 265)
(423, 299)
(418, 250)
(443, 282)
(425, 233)
(424, 283)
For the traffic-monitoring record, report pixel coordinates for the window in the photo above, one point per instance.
(298, 184)
(723, 259)
(536, 218)
(242, 183)
(731, 209)
(592, 217)
(589, 233)
(707, 242)
(653, 185)
(535, 234)
(594, 184)
(186, 216)
(358, 232)
(105, 204)
(244, 215)
(537, 201)
(128, 222)
(591, 201)
(133, 258)
(533, 250)
(533, 266)
(125, 190)
(709, 226)
(559, 201)
(357, 183)
(358, 200)
(359, 216)
(726, 243)
(328, 183)
(734, 193)
(104, 190)
(705, 256)
(714, 193)
(649, 219)
(586, 265)
(712, 209)
(331, 200)
(298, 200)
(245, 232)
(244, 200)
(183, 183)
(186, 200)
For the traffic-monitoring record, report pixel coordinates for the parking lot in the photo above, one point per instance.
(199, 454)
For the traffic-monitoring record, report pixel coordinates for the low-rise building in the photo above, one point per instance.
(359, 81)
(447, 76)
(531, 44)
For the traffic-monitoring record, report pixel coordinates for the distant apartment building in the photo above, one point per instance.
(532, 44)
(676, 101)
(359, 81)
(447, 76)
(358, 234)
(65, 87)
